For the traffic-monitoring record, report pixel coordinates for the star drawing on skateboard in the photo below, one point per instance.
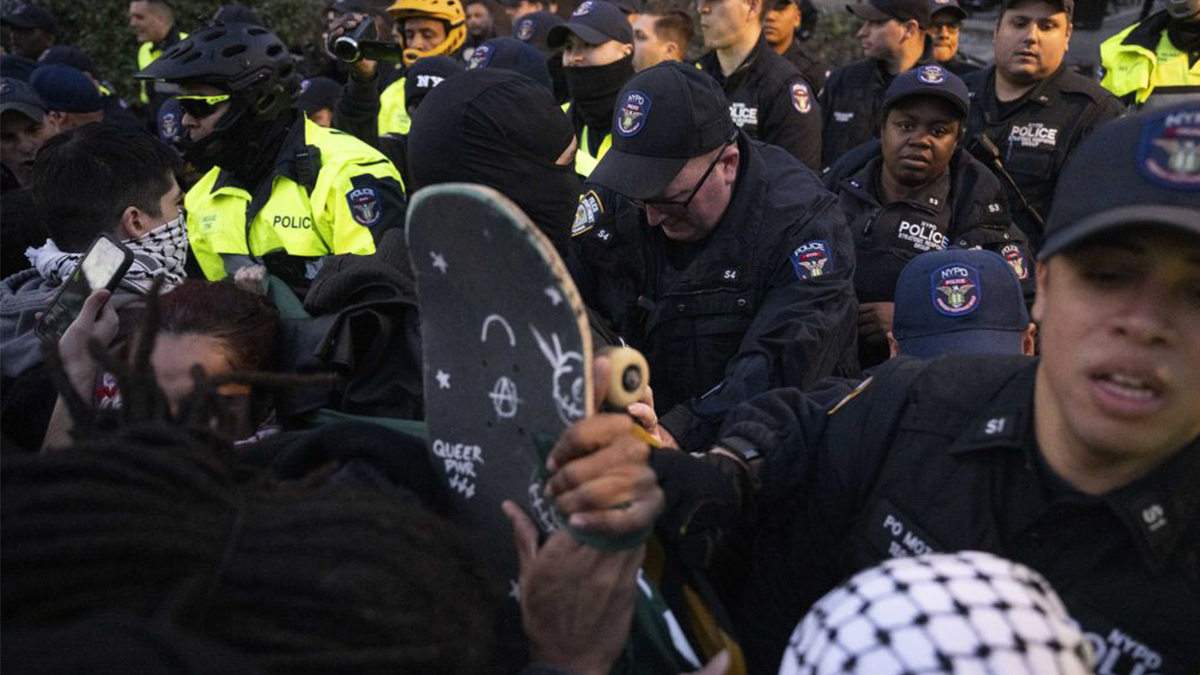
(443, 379)
(439, 261)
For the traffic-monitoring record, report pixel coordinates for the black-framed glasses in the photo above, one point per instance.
(200, 106)
(678, 205)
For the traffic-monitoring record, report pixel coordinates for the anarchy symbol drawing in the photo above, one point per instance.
(504, 397)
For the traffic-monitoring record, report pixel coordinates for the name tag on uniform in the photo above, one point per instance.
(894, 534)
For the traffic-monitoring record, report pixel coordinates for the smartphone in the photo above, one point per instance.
(103, 266)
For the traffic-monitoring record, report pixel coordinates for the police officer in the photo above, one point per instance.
(1157, 61)
(279, 189)
(768, 98)
(33, 29)
(945, 24)
(534, 30)
(893, 41)
(781, 27)
(1082, 464)
(1031, 108)
(723, 259)
(915, 191)
(597, 59)
(153, 24)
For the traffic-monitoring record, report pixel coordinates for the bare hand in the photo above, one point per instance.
(363, 69)
(875, 320)
(96, 321)
(251, 278)
(576, 600)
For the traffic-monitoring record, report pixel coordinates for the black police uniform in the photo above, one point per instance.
(965, 208)
(772, 102)
(766, 299)
(941, 456)
(852, 107)
(960, 64)
(816, 72)
(1035, 134)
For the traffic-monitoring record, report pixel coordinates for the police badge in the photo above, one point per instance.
(633, 113)
(955, 289)
(364, 205)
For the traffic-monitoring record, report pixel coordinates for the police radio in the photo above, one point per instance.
(985, 150)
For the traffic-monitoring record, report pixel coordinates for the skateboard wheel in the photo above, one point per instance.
(629, 377)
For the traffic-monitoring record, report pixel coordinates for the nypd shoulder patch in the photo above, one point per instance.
(812, 259)
(365, 205)
(1015, 258)
(955, 289)
(588, 213)
(801, 98)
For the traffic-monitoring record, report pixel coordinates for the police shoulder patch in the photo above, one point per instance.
(801, 98)
(631, 116)
(1169, 150)
(1015, 258)
(365, 206)
(812, 259)
(955, 289)
(480, 57)
(588, 213)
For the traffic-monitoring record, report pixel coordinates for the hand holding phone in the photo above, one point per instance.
(101, 268)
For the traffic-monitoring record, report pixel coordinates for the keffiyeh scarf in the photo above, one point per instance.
(161, 252)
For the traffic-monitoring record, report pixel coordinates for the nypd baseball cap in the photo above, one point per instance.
(929, 80)
(959, 301)
(19, 97)
(1140, 170)
(512, 54)
(66, 89)
(948, 6)
(595, 22)
(901, 10)
(664, 116)
(29, 15)
(68, 56)
(318, 93)
(534, 30)
(1067, 6)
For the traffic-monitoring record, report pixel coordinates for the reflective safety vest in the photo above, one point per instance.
(305, 223)
(585, 162)
(393, 115)
(148, 54)
(1132, 68)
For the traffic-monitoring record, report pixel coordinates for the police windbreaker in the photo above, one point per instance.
(765, 300)
(939, 456)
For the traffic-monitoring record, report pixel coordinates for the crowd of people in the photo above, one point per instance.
(923, 332)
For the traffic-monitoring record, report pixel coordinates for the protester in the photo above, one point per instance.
(661, 32)
(916, 191)
(747, 279)
(597, 60)
(1032, 109)
(893, 40)
(244, 132)
(781, 28)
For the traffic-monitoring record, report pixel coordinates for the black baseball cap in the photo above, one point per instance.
(1138, 171)
(68, 56)
(595, 22)
(427, 73)
(1067, 6)
(929, 80)
(318, 93)
(534, 29)
(66, 89)
(665, 115)
(19, 96)
(951, 6)
(512, 54)
(29, 15)
(628, 6)
(959, 301)
(17, 67)
(901, 10)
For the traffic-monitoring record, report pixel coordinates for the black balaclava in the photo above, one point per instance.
(503, 130)
(554, 63)
(594, 90)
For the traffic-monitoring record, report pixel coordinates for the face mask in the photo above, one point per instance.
(594, 90)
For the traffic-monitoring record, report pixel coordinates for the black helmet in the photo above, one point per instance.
(247, 60)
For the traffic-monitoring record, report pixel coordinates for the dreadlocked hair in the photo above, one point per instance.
(151, 521)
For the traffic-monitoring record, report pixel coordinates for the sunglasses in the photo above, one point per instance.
(679, 206)
(199, 106)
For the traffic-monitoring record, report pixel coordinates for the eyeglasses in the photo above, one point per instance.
(675, 205)
(199, 106)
